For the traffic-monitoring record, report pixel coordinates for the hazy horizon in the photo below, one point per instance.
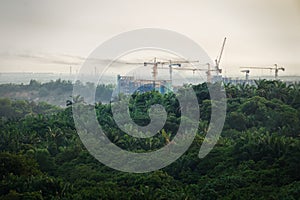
(51, 36)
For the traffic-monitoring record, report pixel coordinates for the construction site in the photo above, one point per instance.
(129, 84)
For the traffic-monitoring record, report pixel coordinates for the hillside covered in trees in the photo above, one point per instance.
(256, 157)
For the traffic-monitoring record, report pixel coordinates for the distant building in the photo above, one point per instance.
(236, 81)
(128, 85)
(125, 84)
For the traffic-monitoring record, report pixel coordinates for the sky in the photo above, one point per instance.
(52, 35)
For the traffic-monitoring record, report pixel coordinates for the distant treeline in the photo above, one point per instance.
(53, 92)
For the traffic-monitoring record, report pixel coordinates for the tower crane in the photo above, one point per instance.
(154, 63)
(208, 71)
(275, 68)
(247, 71)
(218, 59)
(176, 65)
(171, 63)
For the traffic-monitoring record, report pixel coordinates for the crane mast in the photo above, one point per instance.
(247, 71)
(218, 59)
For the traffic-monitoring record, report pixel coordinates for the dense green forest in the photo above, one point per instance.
(256, 157)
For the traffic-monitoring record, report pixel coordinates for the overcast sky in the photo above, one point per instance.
(49, 36)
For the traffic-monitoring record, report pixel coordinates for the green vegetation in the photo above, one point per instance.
(54, 92)
(257, 156)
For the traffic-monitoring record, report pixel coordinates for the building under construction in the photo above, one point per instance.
(128, 85)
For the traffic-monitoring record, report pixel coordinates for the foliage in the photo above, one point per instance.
(257, 156)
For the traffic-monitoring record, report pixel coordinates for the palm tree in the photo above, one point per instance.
(262, 87)
(294, 95)
(231, 90)
(280, 91)
(57, 136)
(246, 90)
(75, 99)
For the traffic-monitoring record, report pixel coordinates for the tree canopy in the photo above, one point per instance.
(256, 157)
